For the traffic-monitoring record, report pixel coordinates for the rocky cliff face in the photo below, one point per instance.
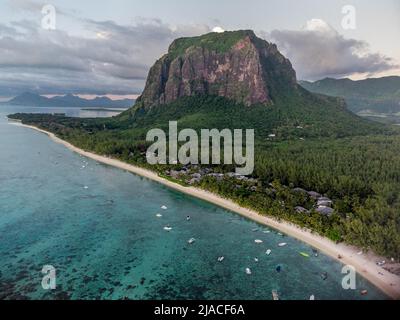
(236, 65)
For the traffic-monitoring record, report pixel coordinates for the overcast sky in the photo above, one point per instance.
(107, 47)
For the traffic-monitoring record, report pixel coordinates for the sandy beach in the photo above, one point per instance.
(364, 263)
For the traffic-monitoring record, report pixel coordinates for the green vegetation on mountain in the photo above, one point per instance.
(218, 42)
(301, 116)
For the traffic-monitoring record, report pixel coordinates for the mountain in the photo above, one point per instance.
(69, 100)
(379, 95)
(235, 65)
(235, 79)
(29, 99)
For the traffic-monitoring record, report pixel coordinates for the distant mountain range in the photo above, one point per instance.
(378, 95)
(69, 100)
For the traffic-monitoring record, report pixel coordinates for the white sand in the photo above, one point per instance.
(365, 264)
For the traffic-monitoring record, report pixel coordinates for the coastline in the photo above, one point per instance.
(364, 264)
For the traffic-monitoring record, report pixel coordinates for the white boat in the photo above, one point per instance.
(283, 244)
(220, 259)
(191, 241)
(312, 297)
(364, 292)
(159, 215)
(266, 231)
(86, 187)
(167, 228)
(268, 252)
(256, 260)
(275, 295)
(258, 241)
(248, 271)
(164, 207)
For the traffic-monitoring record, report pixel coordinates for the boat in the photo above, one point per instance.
(248, 271)
(256, 260)
(268, 252)
(86, 187)
(255, 230)
(275, 295)
(167, 228)
(266, 231)
(164, 207)
(220, 259)
(159, 215)
(312, 297)
(258, 241)
(364, 292)
(191, 241)
(304, 254)
(283, 244)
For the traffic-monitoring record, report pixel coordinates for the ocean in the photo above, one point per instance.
(102, 229)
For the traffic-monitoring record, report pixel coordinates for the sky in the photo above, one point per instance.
(107, 47)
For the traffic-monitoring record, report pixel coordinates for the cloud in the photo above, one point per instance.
(110, 58)
(107, 57)
(318, 51)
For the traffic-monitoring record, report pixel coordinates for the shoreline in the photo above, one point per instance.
(364, 264)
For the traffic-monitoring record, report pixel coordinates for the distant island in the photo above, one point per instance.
(66, 101)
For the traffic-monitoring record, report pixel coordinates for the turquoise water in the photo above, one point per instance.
(106, 241)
